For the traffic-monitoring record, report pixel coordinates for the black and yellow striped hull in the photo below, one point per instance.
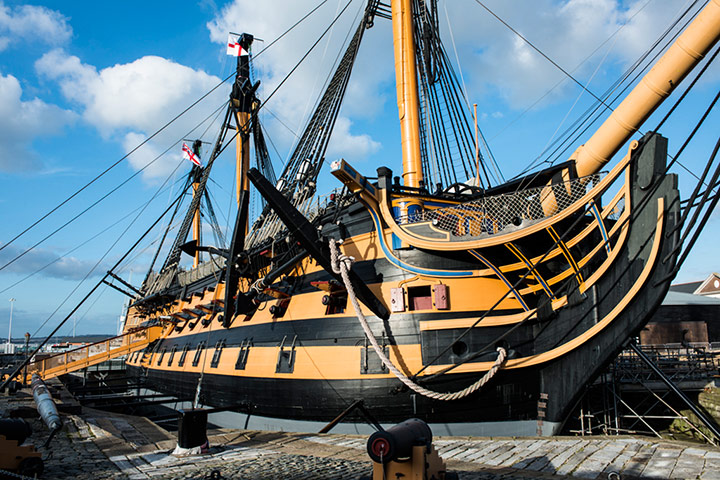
(562, 296)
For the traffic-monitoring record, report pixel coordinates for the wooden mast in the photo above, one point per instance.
(242, 97)
(691, 46)
(242, 156)
(196, 173)
(407, 97)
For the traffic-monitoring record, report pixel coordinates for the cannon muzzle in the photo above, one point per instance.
(398, 441)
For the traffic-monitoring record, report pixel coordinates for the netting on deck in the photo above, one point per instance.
(490, 215)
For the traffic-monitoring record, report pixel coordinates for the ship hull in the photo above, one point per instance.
(310, 363)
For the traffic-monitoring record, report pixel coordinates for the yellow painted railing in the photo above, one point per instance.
(93, 354)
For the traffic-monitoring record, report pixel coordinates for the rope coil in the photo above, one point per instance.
(341, 264)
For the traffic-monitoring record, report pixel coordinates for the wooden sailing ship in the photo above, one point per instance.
(477, 303)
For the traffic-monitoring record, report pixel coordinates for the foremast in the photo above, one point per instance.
(197, 221)
(242, 103)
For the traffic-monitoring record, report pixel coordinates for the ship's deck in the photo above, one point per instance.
(100, 445)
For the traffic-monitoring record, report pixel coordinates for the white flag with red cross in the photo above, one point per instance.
(234, 47)
(190, 155)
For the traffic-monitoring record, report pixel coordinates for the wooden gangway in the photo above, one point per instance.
(94, 353)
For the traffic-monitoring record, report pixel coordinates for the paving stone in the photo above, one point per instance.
(153, 457)
(694, 451)
(661, 464)
(618, 463)
(685, 473)
(577, 458)
(485, 451)
(527, 454)
(123, 464)
(467, 454)
(558, 461)
(710, 474)
(138, 476)
(122, 447)
(497, 455)
(636, 464)
(509, 452)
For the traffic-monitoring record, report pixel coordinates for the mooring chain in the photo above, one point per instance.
(340, 265)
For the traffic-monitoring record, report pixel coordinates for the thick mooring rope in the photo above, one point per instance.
(341, 264)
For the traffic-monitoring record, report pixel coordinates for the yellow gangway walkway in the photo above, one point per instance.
(94, 353)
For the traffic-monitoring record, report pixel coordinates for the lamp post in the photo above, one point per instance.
(9, 344)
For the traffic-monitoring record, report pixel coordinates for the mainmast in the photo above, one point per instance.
(407, 97)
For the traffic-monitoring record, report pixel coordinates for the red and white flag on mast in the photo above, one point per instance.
(190, 155)
(234, 47)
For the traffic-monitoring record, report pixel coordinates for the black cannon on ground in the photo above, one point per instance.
(406, 451)
(14, 456)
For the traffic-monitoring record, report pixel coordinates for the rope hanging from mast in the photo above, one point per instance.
(298, 179)
(447, 143)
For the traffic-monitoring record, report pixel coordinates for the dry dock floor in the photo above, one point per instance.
(99, 445)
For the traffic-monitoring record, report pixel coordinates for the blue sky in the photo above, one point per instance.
(83, 83)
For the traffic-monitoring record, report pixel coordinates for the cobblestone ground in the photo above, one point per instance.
(72, 453)
(304, 467)
(276, 466)
(97, 445)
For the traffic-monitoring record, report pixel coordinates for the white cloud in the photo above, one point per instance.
(294, 102)
(497, 62)
(29, 22)
(348, 146)
(130, 101)
(49, 262)
(23, 121)
(149, 157)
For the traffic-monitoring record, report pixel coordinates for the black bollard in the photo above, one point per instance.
(192, 428)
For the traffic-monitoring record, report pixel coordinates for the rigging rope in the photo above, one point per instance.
(445, 128)
(54, 209)
(341, 264)
(88, 240)
(591, 115)
(117, 163)
(89, 294)
(127, 180)
(298, 179)
(544, 55)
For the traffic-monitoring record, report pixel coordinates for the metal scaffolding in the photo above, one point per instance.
(646, 388)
